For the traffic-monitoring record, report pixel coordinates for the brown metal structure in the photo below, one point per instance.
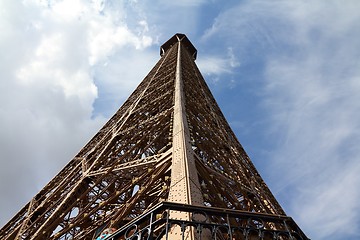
(165, 166)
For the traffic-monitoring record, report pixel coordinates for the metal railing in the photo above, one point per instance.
(209, 223)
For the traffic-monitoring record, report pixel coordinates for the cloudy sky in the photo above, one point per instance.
(285, 73)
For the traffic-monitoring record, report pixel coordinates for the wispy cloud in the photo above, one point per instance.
(216, 65)
(311, 84)
(318, 115)
(185, 3)
(316, 104)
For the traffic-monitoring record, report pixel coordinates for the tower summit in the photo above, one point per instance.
(165, 166)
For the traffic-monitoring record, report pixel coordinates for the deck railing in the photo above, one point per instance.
(209, 223)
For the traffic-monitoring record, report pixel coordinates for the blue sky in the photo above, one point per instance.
(285, 73)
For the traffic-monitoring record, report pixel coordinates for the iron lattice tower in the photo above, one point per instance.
(165, 166)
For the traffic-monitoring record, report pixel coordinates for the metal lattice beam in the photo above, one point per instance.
(168, 145)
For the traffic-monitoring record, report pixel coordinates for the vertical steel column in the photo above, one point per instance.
(185, 187)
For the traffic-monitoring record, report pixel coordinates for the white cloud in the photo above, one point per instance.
(184, 3)
(105, 38)
(68, 10)
(47, 64)
(216, 65)
(213, 65)
(48, 86)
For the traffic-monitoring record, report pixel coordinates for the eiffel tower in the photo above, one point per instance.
(165, 166)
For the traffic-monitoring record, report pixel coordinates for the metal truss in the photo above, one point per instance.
(168, 144)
